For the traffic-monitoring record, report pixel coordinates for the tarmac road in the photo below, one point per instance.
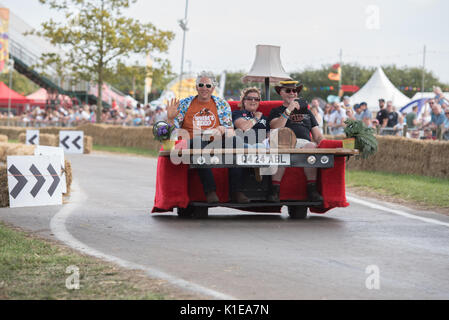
(240, 255)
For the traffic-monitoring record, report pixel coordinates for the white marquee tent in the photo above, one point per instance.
(377, 87)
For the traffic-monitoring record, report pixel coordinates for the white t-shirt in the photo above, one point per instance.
(338, 117)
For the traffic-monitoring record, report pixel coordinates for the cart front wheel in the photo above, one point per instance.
(297, 212)
(193, 212)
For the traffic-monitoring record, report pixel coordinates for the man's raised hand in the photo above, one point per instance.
(172, 109)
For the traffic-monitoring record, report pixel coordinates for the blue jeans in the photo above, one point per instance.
(235, 174)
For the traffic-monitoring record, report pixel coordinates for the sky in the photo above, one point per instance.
(223, 34)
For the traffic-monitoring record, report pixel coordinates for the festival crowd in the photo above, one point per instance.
(330, 116)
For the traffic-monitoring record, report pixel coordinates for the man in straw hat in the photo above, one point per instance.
(294, 114)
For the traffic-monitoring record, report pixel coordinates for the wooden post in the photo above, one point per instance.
(404, 131)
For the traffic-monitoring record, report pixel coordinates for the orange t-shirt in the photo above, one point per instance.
(201, 116)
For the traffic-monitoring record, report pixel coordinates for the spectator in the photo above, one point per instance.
(358, 115)
(315, 111)
(411, 118)
(366, 114)
(349, 113)
(446, 124)
(381, 116)
(337, 119)
(427, 135)
(439, 97)
(346, 102)
(392, 120)
(437, 118)
(160, 115)
(316, 103)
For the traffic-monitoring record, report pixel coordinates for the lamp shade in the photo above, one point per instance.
(267, 65)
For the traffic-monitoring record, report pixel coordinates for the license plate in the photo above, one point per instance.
(263, 159)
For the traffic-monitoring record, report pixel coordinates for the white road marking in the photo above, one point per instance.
(58, 227)
(394, 211)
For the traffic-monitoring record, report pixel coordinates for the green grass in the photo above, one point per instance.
(129, 150)
(32, 268)
(424, 190)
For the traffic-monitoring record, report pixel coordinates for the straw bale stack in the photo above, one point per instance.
(4, 193)
(88, 144)
(119, 136)
(12, 132)
(407, 156)
(45, 139)
(68, 176)
(13, 149)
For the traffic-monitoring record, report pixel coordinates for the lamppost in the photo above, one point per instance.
(11, 69)
(183, 25)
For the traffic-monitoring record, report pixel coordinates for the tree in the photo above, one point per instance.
(95, 34)
(131, 78)
(20, 83)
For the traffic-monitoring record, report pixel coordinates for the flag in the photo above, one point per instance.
(349, 88)
(4, 40)
(336, 66)
(334, 76)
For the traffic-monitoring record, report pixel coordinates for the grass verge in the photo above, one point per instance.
(32, 268)
(427, 191)
(127, 150)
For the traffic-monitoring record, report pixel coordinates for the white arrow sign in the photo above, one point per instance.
(32, 137)
(54, 151)
(71, 141)
(34, 181)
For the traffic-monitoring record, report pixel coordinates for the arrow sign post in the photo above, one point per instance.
(54, 151)
(71, 141)
(32, 137)
(34, 181)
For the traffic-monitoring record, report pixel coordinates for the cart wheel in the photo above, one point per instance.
(200, 212)
(185, 212)
(297, 212)
(193, 212)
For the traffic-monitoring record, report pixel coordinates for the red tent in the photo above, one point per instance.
(41, 98)
(18, 101)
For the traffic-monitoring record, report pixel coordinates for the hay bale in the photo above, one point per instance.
(4, 192)
(3, 138)
(45, 139)
(119, 136)
(88, 144)
(12, 132)
(68, 176)
(15, 149)
(407, 156)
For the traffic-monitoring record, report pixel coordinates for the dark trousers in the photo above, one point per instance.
(235, 174)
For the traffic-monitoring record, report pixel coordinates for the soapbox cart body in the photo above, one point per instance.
(178, 185)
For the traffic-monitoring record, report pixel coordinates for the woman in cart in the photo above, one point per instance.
(248, 118)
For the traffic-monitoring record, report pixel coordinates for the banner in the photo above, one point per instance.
(4, 39)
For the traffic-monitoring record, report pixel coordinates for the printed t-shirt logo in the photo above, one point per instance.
(203, 120)
(298, 117)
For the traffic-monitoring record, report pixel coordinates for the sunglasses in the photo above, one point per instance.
(291, 90)
(252, 99)
(208, 86)
(431, 103)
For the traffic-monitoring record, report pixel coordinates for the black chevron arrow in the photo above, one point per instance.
(40, 180)
(56, 180)
(32, 139)
(75, 142)
(21, 181)
(63, 141)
